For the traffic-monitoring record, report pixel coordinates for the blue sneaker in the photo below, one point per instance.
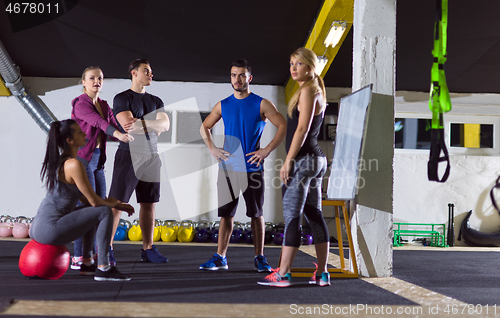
(276, 280)
(323, 280)
(215, 263)
(112, 260)
(152, 255)
(261, 264)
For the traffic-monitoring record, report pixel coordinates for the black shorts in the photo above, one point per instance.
(142, 174)
(252, 186)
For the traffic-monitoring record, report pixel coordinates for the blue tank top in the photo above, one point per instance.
(243, 127)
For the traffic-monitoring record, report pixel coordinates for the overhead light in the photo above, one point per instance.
(335, 34)
(322, 61)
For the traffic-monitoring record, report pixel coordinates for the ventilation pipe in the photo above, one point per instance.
(33, 105)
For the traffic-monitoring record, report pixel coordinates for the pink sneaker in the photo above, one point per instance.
(76, 262)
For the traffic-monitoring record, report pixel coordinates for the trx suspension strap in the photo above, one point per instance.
(439, 101)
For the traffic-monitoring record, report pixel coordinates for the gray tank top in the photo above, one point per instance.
(61, 201)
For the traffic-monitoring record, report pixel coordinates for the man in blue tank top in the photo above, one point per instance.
(241, 160)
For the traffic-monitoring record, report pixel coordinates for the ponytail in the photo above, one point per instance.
(318, 86)
(57, 144)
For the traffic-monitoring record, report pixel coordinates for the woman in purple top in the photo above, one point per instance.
(96, 120)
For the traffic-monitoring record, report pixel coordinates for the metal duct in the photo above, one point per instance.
(33, 105)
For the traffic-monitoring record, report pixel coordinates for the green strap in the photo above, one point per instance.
(439, 101)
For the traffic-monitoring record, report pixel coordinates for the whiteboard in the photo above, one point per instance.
(344, 170)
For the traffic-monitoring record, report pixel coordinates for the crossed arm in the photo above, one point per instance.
(135, 126)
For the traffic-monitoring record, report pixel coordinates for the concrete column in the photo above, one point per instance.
(374, 58)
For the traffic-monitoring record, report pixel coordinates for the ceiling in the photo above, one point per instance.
(195, 41)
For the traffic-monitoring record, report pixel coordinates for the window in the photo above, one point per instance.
(471, 135)
(474, 135)
(464, 134)
(188, 126)
(412, 133)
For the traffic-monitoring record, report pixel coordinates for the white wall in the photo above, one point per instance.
(189, 172)
(473, 171)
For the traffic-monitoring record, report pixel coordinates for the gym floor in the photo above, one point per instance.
(427, 282)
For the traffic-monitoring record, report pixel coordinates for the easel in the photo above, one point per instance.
(343, 271)
(348, 146)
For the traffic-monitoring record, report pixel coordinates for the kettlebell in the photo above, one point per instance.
(215, 232)
(135, 233)
(20, 228)
(121, 231)
(126, 224)
(269, 231)
(279, 233)
(186, 231)
(157, 231)
(307, 239)
(307, 236)
(248, 233)
(6, 225)
(202, 231)
(30, 220)
(169, 231)
(237, 233)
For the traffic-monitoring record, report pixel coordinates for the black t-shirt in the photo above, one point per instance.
(143, 106)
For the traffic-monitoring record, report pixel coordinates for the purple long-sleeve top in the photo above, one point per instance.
(86, 115)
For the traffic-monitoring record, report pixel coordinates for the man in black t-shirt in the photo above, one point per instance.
(137, 164)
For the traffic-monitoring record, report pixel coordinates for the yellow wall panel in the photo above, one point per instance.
(4, 91)
(472, 135)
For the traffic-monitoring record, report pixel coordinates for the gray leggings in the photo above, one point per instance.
(303, 195)
(85, 222)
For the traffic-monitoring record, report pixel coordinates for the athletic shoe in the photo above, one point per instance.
(112, 260)
(261, 264)
(86, 270)
(152, 255)
(323, 280)
(112, 275)
(276, 280)
(215, 263)
(76, 262)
